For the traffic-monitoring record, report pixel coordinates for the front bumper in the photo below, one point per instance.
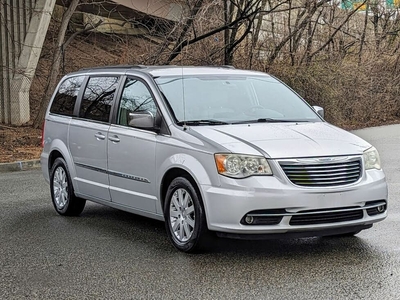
(296, 234)
(227, 204)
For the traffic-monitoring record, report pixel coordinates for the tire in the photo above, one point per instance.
(62, 192)
(185, 219)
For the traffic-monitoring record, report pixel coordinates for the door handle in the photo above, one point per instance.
(99, 136)
(114, 139)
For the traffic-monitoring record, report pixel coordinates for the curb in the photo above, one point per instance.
(20, 166)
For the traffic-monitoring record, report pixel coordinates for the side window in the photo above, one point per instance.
(98, 98)
(136, 97)
(64, 101)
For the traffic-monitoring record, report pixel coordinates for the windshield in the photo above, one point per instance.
(215, 99)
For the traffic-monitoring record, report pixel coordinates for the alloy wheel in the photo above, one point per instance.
(60, 187)
(182, 215)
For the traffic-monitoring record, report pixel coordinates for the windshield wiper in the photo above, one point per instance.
(268, 120)
(201, 122)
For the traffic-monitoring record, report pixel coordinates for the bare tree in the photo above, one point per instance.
(241, 14)
(58, 58)
(55, 66)
(363, 34)
(308, 12)
(330, 38)
(262, 33)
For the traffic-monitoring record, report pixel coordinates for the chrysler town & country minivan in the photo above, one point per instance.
(207, 149)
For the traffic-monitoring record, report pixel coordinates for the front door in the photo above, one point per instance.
(131, 151)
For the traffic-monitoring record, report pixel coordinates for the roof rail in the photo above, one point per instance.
(148, 67)
(115, 67)
(227, 67)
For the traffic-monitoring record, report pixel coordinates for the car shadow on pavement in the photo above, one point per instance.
(133, 227)
(100, 224)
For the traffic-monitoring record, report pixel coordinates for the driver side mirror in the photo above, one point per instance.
(141, 119)
(319, 111)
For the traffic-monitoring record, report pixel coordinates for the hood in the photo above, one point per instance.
(284, 140)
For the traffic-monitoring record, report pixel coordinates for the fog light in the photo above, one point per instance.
(249, 219)
(381, 208)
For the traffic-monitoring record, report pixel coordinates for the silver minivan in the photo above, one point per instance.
(208, 150)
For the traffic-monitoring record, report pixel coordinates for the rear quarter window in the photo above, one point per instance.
(65, 99)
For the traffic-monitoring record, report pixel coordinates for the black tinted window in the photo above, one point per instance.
(64, 101)
(98, 98)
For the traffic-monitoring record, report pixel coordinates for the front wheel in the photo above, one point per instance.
(185, 220)
(62, 192)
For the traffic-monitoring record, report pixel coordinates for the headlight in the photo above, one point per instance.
(371, 159)
(241, 166)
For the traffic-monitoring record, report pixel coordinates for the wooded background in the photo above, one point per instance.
(343, 56)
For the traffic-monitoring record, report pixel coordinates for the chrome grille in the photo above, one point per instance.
(321, 174)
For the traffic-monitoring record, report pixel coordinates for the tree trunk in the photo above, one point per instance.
(227, 20)
(233, 32)
(375, 22)
(55, 66)
(362, 39)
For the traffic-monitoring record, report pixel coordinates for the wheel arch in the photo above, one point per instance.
(192, 168)
(53, 156)
(173, 173)
(202, 234)
(59, 149)
(170, 175)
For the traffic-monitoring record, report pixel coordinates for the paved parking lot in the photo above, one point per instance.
(109, 254)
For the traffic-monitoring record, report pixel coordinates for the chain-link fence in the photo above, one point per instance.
(15, 16)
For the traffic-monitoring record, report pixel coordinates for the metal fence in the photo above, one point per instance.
(15, 16)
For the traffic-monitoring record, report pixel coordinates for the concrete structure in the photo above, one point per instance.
(131, 17)
(23, 28)
(165, 9)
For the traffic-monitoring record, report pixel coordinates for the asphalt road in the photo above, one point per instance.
(109, 254)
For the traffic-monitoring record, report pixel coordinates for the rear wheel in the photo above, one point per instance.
(62, 192)
(185, 220)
